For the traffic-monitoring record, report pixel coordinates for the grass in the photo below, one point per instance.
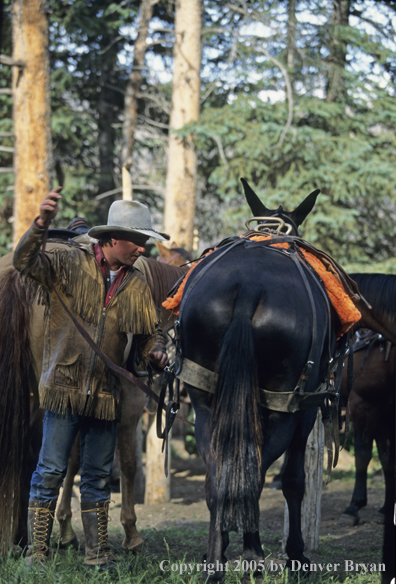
(69, 569)
(181, 568)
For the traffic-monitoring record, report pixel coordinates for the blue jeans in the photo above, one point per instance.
(98, 440)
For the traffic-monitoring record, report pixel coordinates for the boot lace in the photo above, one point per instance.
(103, 520)
(43, 515)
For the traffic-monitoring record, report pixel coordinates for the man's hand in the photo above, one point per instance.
(158, 360)
(49, 208)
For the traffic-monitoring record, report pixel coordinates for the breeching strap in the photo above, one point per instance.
(116, 368)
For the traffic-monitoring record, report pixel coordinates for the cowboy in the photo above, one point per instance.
(79, 393)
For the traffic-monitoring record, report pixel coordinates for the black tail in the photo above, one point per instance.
(236, 428)
(15, 362)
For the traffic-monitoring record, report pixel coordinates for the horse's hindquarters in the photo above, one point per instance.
(265, 287)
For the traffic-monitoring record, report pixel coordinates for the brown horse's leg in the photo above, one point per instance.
(364, 418)
(133, 400)
(67, 536)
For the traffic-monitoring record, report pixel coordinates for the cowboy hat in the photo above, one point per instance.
(128, 218)
(77, 227)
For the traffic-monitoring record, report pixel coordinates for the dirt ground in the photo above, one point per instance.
(180, 528)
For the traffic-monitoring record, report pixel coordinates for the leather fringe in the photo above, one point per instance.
(75, 282)
(135, 310)
(103, 407)
(135, 307)
(35, 291)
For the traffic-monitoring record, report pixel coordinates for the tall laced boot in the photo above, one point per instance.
(40, 522)
(95, 518)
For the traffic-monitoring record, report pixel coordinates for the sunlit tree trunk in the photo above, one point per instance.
(291, 39)
(32, 113)
(335, 90)
(182, 161)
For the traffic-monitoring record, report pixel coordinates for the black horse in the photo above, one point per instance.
(258, 318)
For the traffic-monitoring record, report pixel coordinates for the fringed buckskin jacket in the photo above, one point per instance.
(72, 373)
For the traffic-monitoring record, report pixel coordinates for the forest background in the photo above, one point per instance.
(295, 95)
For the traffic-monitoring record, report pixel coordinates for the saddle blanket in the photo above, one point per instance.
(334, 279)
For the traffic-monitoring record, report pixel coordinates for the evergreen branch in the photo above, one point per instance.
(288, 90)
(230, 59)
(113, 42)
(221, 150)
(380, 28)
(5, 60)
(165, 106)
(153, 123)
(114, 88)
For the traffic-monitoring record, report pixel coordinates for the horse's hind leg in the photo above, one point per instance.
(133, 400)
(67, 536)
(293, 486)
(364, 421)
(384, 439)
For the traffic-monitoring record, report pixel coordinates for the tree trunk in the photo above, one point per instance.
(335, 90)
(32, 113)
(182, 161)
(311, 505)
(291, 39)
(132, 94)
(106, 114)
(135, 82)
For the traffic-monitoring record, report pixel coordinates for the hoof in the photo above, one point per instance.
(66, 544)
(135, 545)
(347, 520)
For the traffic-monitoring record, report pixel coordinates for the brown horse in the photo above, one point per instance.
(372, 406)
(21, 347)
(372, 411)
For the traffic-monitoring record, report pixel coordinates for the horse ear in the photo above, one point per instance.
(257, 207)
(299, 214)
(163, 250)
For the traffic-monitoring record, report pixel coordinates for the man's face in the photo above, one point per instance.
(125, 252)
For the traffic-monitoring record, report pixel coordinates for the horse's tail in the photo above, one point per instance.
(15, 362)
(236, 423)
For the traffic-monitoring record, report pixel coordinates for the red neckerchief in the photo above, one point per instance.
(111, 288)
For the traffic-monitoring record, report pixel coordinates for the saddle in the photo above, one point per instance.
(341, 289)
(368, 339)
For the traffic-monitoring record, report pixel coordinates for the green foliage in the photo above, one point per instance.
(344, 148)
(249, 126)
